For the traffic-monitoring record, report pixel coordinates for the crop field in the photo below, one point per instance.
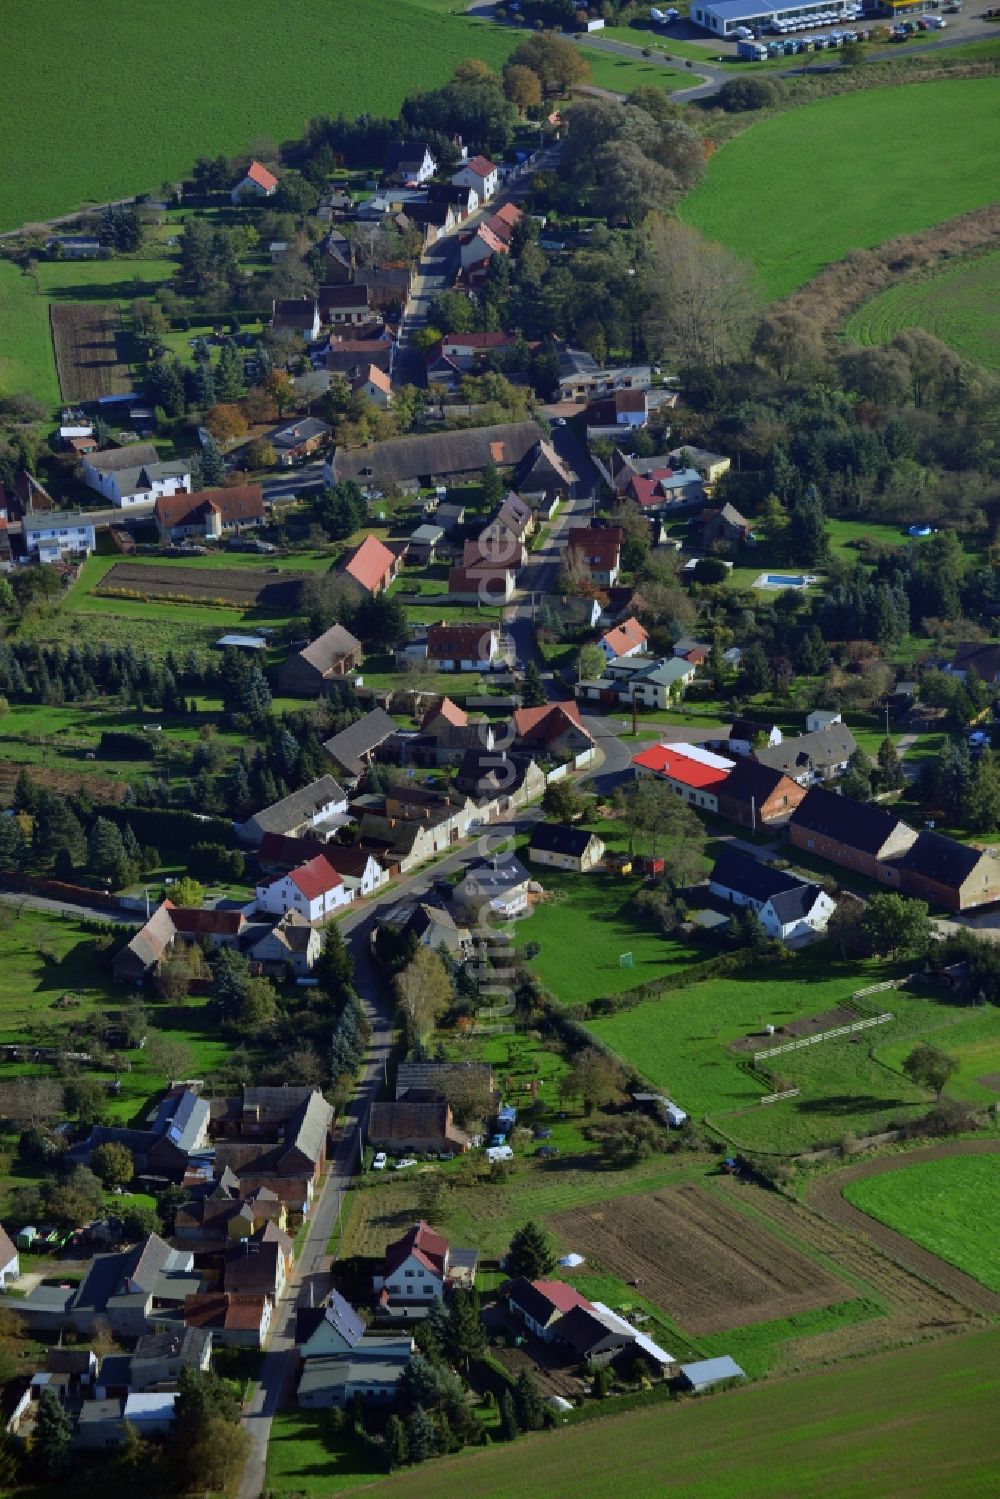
(957, 304)
(693, 1255)
(826, 1194)
(880, 156)
(119, 81)
(916, 1421)
(239, 588)
(949, 1206)
(89, 343)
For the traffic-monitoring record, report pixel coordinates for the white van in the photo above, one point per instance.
(499, 1153)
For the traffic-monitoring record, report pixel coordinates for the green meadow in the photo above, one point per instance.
(134, 93)
(802, 188)
(957, 304)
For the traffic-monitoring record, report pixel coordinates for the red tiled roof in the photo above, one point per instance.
(460, 642)
(370, 563)
(600, 545)
(669, 762)
(547, 722)
(315, 877)
(449, 711)
(190, 922)
(375, 376)
(422, 1242)
(508, 213)
(236, 505)
(625, 637)
(263, 178)
(563, 1297)
(481, 165)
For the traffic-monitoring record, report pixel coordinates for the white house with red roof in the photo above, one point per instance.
(690, 770)
(418, 1269)
(372, 565)
(314, 889)
(626, 639)
(375, 385)
(480, 174)
(256, 182)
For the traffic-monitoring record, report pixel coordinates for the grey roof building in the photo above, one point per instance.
(434, 455)
(352, 748)
(711, 1371)
(323, 801)
(810, 757)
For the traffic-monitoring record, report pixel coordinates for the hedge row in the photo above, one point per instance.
(171, 827)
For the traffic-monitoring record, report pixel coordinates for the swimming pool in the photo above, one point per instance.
(784, 580)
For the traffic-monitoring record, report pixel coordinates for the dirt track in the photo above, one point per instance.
(825, 1194)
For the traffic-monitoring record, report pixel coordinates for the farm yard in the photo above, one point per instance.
(89, 343)
(880, 155)
(913, 1421)
(698, 1259)
(956, 304)
(100, 74)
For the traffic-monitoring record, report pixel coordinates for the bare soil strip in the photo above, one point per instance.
(241, 588)
(89, 349)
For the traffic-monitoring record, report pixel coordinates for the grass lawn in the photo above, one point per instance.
(122, 127)
(682, 1044)
(951, 1207)
(623, 74)
(955, 304)
(584, 928)
(881, 155)
(915, 1421)
(303, 1457)
(972, 1037)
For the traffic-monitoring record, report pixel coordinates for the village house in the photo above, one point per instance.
(563, 847)
(127, 1288)
(372, 566)
(581, 377)
(645, 681)
(555, 729)
(260, 1265)
(543, 479)
(414, 1125)
(746, 735)
(297, 315)
(417, 1271)
(711, 466)
(622, 408)
(463, 647)
(723, 527)
(432, 217)
(375, 385)
(481, 581)
(388, 286)
(754, 795)
(788, 907)
(408, 161)
(322, 805)
(176, 1132)
(311, 671)
(336, 255)
(981, 657)
(664, 489)
(256, 182)
(411, 463)
(810, 758)
(143, 953)
(480, 174)
(292, 943)
(353, 749)
(134, 475)
(272, 1133)
(344, 306)
(314, 889)
(624, 640)
(235, 1319)
(341, 1359)
(298, 440)
(431, 926)
(355, 357)
(497, 545)
(601, 549)
(55, 535)
(495, 887)
(211, 513)
(491, 237)
(689, 770)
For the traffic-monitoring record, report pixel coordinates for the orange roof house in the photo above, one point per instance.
(372, 565)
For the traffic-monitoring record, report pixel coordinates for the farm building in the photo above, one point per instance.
(710, 1371)
(352, 749)
(311, 670)
(692, 772)
(809, 758)
(867, 839)
(563, 847)
(411, 462)
(411, 1124)
(753, 794)
(540, 1304)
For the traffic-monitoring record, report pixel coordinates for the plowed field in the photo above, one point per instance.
(89, 347)
(239, 587)
(704, 1263)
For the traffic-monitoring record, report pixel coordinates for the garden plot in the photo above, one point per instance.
(240, 588)
(89, 347)
(698, 1259)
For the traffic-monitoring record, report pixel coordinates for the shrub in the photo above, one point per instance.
(740, 94)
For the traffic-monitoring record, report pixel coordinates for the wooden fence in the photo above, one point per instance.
(842, 1030)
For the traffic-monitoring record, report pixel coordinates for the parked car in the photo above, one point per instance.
(406, 1162)
(380, 1162)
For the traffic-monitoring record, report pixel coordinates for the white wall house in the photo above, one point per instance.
(134, 475)
(51, 535)
(480, 174)
(787, 907)
(314, 890)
